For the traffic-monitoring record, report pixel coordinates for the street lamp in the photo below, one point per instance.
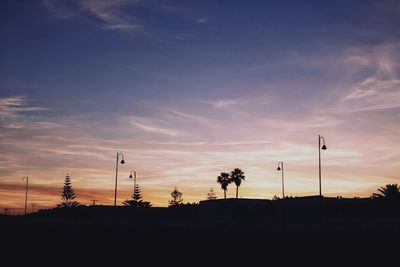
(280, 164)
(134, 177)
(26, 191)
(119, 154)
(323, 147)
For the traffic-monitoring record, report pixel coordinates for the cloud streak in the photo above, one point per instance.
(111, 14)
(13, 105)
(381, 89)
(108, 15)
(151, 125)
(241, 101)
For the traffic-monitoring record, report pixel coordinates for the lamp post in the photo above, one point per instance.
(280, 168)
(119, 154)
(134, 177)
(323, 147)
(26, 191)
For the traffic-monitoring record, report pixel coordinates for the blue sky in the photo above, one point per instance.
(188, 89)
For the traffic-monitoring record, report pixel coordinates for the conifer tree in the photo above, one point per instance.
(136, 201)
(211, 195)
(68, 194)
(176, 198)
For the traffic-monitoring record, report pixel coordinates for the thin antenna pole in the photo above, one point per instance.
(283, 183)
(26, 192)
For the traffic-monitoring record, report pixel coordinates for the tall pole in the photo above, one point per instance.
(134, 177)
(319, 161)
(280, 164)
(283, 183)
(26, 192)
(116, 181)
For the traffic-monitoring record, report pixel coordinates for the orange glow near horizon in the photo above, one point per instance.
(193, 169)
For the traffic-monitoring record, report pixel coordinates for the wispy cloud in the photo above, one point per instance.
(13, 105)
(151, 125)
(225, 103)
(187, 115)
(35, 125)
(242, 143)
(202, 20)
(129, 16)
(111, 14)
(373, 94)
(381, 89)
(215, 143)
(108, 15)
(302, 123)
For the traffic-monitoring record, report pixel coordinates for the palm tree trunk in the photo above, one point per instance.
(224, 194)
(237, 190)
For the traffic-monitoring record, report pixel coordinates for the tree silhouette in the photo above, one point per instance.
(136, 201)
(211, 194)
(176, 198)
(276, 197)
(68, 195)
(390, 192)
(224, 180)
(237, 175)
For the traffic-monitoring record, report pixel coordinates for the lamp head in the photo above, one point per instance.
(323, 147)
(279, 168)
(130, 176)
(122, 161)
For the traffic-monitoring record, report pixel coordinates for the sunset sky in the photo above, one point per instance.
(189, 89)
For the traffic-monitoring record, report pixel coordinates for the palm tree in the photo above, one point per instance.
(224, 180)
(237, 175)
(389, 191)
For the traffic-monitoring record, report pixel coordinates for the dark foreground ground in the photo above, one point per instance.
(182, 246)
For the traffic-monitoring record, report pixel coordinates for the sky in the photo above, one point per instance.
(189, 89)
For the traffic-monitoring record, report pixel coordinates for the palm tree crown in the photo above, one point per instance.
(224, 180)
(389, 191)
(237, 175)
